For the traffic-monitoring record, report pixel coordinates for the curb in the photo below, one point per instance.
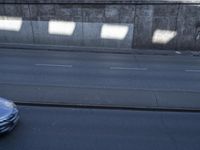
(97, 49)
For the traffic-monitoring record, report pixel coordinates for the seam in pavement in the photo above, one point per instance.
(166, 131)
(156, 98)
(108, 107)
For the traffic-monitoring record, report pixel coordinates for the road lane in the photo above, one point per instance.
(102, 70)
(66, 128)
(54, 65)
(124, 68)
(198, 71)
(126, 74)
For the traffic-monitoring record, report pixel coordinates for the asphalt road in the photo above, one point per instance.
(95, 129)
(100, 79)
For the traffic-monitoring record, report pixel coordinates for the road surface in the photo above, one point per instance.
(100, 79)
(95, 129)
(40, 79)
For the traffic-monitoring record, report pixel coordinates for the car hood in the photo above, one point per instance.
(6, 109)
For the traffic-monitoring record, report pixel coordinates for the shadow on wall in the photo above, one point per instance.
(167, 27)
(149, 26)
(14, 29)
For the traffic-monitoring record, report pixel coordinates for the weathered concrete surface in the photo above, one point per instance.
(143, 24)
(22, 36)
(41, 35)
(166, 26)
(187, 23)
(99, 1)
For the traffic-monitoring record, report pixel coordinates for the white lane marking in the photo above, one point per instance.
(125, 68)
(54, 65)
(192, 71)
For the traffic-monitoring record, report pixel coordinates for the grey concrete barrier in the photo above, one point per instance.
(99, 1)
(147, 26)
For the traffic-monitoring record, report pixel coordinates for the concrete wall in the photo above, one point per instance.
(100, 1)
(146, 26)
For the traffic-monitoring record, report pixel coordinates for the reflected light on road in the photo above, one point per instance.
(10, 23)
(163, 36)
(61, 27)
(113, 31)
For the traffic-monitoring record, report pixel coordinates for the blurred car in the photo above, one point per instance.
(9, 115)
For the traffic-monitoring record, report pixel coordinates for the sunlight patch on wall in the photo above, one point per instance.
(61, 27)
(113, 31)
(163, 36)
(10, 23)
